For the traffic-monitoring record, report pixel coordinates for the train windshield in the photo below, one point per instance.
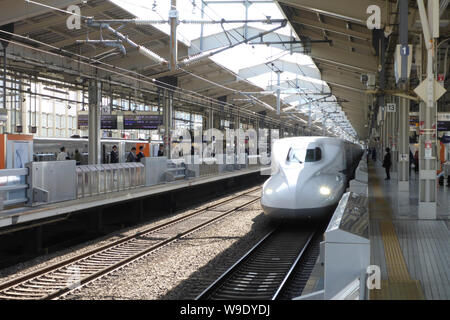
(304, 155)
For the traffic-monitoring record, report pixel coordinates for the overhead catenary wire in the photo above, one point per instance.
(117, 70)
(193, 21)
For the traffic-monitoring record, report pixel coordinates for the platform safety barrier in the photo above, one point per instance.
(106, 178)
(13, 186)
(43, 182)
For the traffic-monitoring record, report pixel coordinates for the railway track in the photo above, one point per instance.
(61, 278)
(264, 270)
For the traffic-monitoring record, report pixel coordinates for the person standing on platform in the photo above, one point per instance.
(132, 155)
(374, 154)
(416, 161)
(141, 154)
(387, 163)
(161, 150)
(62, 155)
(411, 161)
(77, 157)
(114, 157)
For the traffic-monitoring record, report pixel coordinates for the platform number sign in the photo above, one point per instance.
(404, 50)
(391, 107)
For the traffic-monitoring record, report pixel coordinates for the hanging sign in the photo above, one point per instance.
(428, 149)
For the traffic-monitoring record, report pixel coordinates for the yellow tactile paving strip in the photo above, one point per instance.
(399, 285)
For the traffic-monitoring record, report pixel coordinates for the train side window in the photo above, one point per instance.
(313, 155)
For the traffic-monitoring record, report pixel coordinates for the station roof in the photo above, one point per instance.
(329, 82)
(351, 52)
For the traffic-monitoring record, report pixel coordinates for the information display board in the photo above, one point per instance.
(144, 122)
(106, 122)
(443, 126)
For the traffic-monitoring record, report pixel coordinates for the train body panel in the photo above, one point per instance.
(309, 176)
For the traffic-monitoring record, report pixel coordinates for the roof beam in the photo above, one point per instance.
(331, 28)
(14, 10)
(343, 80)
(220, 40)
(281, 65)
(356, 61)
(57, 19)
(348, 10)
(367, 47)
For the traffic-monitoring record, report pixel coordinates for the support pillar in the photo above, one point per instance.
(95, 99)
(403, 143)
(168, 111)
(403, 105)
(393, 139)
(427, 120)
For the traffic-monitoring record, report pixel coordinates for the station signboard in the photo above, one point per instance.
(142, 122)
(106, 122)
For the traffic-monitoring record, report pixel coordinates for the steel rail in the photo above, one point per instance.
(250, 257)
(14, 283)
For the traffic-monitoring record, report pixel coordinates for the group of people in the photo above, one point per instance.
(133, 157)
(62, 155)
(113, 156)
(387, 162)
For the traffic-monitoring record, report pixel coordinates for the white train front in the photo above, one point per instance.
(309, 176)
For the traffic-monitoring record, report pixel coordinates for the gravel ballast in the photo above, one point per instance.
(178, 271)
(185, 268)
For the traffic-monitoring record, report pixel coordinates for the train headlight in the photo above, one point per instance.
(269, 191)
(325, 191)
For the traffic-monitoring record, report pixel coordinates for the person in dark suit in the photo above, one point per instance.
(161, 150)
(141, 154)
(114, 157)
(132, 155)
(387, 163)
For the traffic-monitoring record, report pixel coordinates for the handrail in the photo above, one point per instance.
(350, 291)
(107, 178)
(9, 186)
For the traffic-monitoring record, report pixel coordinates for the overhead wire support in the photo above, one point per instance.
(152, 22)
(210, 54)
(142, 50)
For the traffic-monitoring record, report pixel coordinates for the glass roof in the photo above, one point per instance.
(300, 78)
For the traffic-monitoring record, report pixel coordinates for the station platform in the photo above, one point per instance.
(413, 255)
(23, 215)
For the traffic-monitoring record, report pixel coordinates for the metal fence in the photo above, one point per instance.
(13, 186)
(106, 178)
(176, 169)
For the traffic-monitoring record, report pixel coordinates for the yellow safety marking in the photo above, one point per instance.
(399, 285)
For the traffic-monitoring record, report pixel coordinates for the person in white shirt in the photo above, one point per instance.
(62, 155)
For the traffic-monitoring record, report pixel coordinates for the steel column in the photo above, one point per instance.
(427, 140)
(168, 111)
(403, 103)
(173, 16)
(403, 143)
(95, 99)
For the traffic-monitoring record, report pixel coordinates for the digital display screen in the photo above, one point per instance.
(146, 122)
(106, 122)
(443, 126)
(413, 120)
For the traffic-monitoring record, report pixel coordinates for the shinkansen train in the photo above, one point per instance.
(309, 176)
(47, 149)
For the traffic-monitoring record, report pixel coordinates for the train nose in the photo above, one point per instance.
(281, 190)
